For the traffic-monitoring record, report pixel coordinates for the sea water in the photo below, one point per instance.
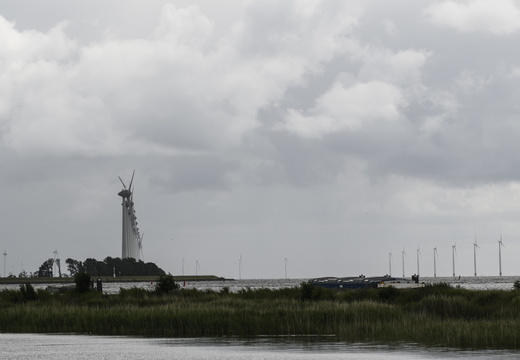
(78, 347)
(467, 282)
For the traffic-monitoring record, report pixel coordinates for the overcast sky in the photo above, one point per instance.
(327, 133)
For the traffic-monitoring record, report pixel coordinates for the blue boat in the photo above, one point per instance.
(362, 282)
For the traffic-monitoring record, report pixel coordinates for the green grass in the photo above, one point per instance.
(435, 315)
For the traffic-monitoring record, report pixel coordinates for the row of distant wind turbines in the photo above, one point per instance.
(240, 267)
(453, 252)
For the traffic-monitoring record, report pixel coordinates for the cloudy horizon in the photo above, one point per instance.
(328, 133)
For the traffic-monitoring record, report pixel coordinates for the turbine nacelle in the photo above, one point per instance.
(125, 193)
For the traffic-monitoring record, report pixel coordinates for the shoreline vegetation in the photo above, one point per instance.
(108, 279)
(436, 315)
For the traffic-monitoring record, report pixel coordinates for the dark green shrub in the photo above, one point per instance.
(388, 294)
(27, 292)
(516, 285)
(165, 284)
(306, 290)
(83, 282)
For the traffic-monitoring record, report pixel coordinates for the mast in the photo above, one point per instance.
(500, 244)
(453, 250)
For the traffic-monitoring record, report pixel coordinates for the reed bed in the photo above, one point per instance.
(440, 316)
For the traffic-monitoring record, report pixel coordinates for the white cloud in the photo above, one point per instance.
(347, 108)
(18, 48)
(399, 68)
(497, 17)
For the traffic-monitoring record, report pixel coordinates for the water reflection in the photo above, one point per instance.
(61, 347)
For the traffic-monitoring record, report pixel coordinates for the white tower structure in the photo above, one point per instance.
(131, 237)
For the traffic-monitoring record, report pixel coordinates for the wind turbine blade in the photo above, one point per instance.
(124, 186)
(131, 181)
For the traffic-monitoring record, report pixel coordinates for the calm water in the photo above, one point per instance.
(66, 347)
(469, 282)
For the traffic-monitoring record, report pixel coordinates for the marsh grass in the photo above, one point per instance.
(436, 315)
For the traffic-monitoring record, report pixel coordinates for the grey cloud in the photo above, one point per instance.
(202, 122)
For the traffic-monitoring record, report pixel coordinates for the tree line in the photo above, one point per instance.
(108, 267)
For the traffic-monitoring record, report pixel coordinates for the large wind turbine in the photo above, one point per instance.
(500, 245)
(132, 246)
(57, 261)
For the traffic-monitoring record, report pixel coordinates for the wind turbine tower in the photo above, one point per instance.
(131, 237)
(57, 262)
(402, 257)
(418, 253)
(435, 262)
(475, 246)
(500, 245)
(453, 251)
(5, 256)
(240, 267)
(390, 264)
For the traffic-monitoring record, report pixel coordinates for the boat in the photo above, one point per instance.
(363, 282)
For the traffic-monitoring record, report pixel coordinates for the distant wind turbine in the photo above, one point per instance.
(500, 245)
(240, 267)
(286, 263)
(390, 264)
(402, 256)
(435, 261)
(475, 246)
(453, 252)
(5, 255)
(197, 267)
(418, 253)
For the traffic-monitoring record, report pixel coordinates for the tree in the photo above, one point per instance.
(45, 269)
(109, 266)
(91, 267)
(74, 266)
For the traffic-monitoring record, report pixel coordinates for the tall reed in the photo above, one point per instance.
(433, 316)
